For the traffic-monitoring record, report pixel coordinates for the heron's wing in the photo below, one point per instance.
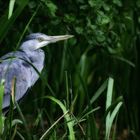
(10, 69)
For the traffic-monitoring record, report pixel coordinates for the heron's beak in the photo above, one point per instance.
(53, 39)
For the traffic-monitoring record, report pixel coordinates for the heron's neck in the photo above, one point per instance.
(36, 57)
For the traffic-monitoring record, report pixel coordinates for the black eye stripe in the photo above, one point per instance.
(27, 39)
(39, 39)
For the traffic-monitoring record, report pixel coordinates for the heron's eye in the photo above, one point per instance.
(40, 39)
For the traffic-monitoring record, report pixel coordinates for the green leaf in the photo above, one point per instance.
(16, 121)
(70, 122)
(51, 7)
(11, 8)
(118, 2)
(98, 93)
(138, 3)
(102, 19)
(110, 116)
(79, 30)
(109, 92)
(100, 36)
(110, 120)
(91, 3)
(1, 102)
(69, 18)
(7, 24)
(106, 7)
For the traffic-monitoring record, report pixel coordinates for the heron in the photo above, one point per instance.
(17, 64)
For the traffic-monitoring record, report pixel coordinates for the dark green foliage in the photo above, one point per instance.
(106, 43)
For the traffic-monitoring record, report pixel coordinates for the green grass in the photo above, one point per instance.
(110, 115)
(1, 114)
(89, 87)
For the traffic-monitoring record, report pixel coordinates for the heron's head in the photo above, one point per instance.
(36, 41)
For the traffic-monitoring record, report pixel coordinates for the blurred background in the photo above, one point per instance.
(104, 53)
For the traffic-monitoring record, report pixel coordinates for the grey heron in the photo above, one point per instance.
(19, 68)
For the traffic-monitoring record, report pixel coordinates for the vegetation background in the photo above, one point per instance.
(89, 88)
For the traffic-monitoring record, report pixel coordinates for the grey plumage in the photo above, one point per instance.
(25, 74)
(15, 65)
